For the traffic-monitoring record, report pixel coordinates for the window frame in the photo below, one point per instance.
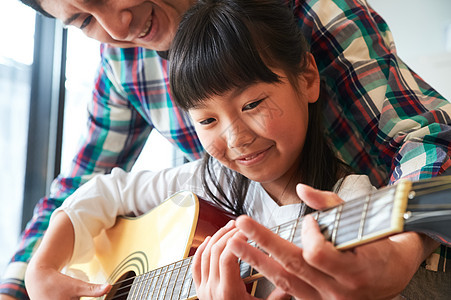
(43, 158)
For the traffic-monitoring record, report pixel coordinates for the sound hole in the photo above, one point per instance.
(122, 287)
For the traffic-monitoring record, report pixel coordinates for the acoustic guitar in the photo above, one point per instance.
(149, 257)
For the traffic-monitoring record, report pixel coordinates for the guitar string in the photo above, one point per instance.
(421, 190)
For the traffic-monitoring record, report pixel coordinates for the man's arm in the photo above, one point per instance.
(114, 137)
(382, 118)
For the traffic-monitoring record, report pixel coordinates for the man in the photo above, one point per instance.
(383, 119)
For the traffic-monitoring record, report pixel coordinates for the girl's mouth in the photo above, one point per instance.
(252, 158)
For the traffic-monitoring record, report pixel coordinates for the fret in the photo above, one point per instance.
(150, 284)
(191, 287)
(155, 283)
(285, 231)
(142, 285)
(177, 269)
(366, 218)
(297, 240)
(247, 270)
(336, 222)
(363, 217)
(145, 286)
(379, 213)
(316, 215)
(326, 222)
(139, 287)
(167, 281)
(293, 230)
(184, 291)
(173, 280)
(349, 222)
(161, 282)
(276, 230)
(133, 288)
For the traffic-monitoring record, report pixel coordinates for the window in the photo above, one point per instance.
(16, 57)
(423, 46)
(83, 55)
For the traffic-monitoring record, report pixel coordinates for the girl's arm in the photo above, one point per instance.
(94, 207)
(43, 278)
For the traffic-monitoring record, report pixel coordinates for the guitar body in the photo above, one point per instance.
(134, 246)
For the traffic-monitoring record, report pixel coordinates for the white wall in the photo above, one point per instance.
(422, 33)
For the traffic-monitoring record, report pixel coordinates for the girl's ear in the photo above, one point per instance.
(309, 80)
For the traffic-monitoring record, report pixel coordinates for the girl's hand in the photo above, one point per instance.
(377, 270)
(216, 271)
(43, 278)
(47, 283)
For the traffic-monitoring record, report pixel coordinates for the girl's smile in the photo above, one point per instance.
(253, 158)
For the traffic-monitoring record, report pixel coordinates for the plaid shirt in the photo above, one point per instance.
(383, 119)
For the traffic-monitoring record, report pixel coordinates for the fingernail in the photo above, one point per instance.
(230, 224)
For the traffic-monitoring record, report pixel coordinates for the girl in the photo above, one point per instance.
(243, 72)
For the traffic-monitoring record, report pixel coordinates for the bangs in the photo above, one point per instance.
(217, 54)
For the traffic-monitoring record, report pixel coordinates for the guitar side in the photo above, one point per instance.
(134, 246)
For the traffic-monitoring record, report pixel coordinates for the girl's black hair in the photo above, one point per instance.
(36, 5)
(226, 44)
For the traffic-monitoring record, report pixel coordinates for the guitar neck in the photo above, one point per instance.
(352, 223)
(355, 222)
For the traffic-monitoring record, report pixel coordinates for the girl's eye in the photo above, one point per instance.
(86, 22)
(207, 121)
(252, 105)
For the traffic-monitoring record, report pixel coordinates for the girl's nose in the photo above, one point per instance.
(239, 135)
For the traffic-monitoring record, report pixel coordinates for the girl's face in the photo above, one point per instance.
(124, 23)
(259, 131)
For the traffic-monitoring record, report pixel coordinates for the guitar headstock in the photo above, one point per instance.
(429, 208)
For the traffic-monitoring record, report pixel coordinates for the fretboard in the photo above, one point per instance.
(352, 223)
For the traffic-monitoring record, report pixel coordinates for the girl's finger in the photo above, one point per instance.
(206, 264)
(196, 267)
(273, 270)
